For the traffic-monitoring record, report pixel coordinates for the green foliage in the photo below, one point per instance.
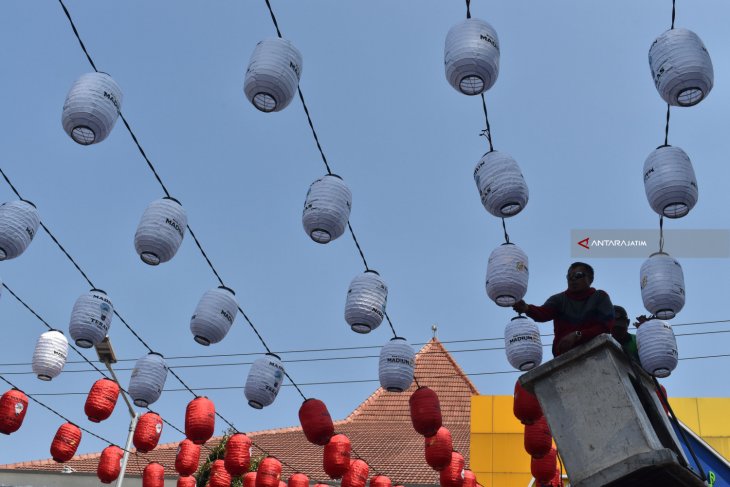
(217, 453)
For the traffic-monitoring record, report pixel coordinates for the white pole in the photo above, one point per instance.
(132, 426)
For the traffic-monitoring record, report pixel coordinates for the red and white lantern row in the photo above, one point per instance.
(356, 475)
(526, 407)
(187, 458)
(336, 456)
(327, 209)
(272, 76)
(657, 348)
(65, 442)
(471, 56)
(50, 354)
(19, 222)
(316, 421)
(91, 108)
(670, 182)
(453, 474)
(160, 231)
(662, 285)
(264, 381)
(153, 475)
(200, 420)
(425, 411)
(13, 407)
(147, 432)
(522, 343)
(101, 400)
(507, 274)
(438, 449)
(110, 464)
(501, 185)
(219, 476)
(365, 303)
(395, 368)
(268, 473)
(298, 480)
(237, 458)
(91, 318)
(148, 379)
(214, 315)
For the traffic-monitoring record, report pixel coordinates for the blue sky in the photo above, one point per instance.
(574, 104)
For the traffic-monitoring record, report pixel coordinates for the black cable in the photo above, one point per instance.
(468, 9)
(674, 12)
(666, 128)
(504, 227)
(487, 132)
(273, 18)
(78, 37)
(210, 264)
(357, 244)
(395, 335)
(309, 118)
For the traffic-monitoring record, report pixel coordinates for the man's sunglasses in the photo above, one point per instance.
(576, 275)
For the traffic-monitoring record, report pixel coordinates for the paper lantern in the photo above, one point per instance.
(200, 420)
(657, 348)
(316, 421)
(326, 209)
(470, 479)
(662, 286)
(669, 182)
(237, 458)
(13, 406)
(66, 442)
(453, 474)
(147, 432)
(282, 483)
(438, 449)
(91, 318)
(249, 480)
(91, 108)
(336, 456)
(425, 411)
(321, 485)
(160, 231)
(148, 379)
(395, 369)
(380, 481)
(538, 438)
(264, 381)
(365, 304)
(187, 457)
(522, 343)
(507, 274)
(525, 407)
(273, 74)
(186, 481)
(50, 354)
(153, 475)
(109, 464)
(219, 476)
(214, 315)
(543, 468)
(19, 222)
(356, 475)
(268, 473)
(101, 400)
(557, 480)
(500, 183)
(681, 67)
(298, 480)
(471, 56)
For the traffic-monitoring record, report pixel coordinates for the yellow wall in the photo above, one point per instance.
(708, 418)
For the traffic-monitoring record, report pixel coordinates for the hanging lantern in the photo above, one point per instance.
(471, 56)
(453, 474)
(153, 475)
(200, 420)
(110, 464)
(91, 318)
(356, 475)
(160, 231)
(326, 209)
(147, 432)
(249, 480)
(662, 285)
(507, 275)
(425, 411)
(557, 480)
(380, 481)
(336, 456)
(501, 185)
(219, 476)
(543, 468)
(522, 343)
(273, 74)
(365, 304)
(321, 485)
(264, 381)
(214, 315)
(268, 473)
(148, 379)
(316, 421)
(538, 438)
(101, 400)
(50, 354)
(91, 108)
(470, 479)
(187, 458)
(438, 449)
(237, 458)
(66, 442)
(395, 369)
(298, 480)
(657, 348)
(19, 222)
(13, 406)
(526, 407)
(669, 182)
(681, 67)
(186, 481)
(282, 483)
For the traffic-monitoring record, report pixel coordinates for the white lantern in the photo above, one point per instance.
(91, 108)
(657, 348)
(365, 303)
(522, 343)
(50, 354)
(326, 208)
(214, 315)
(471, 56)
(264, 381)
(91, 318)
(662, 285)
(395, 369)
(670, 182)
(273, 74)
(148, 379)
(160, 231)
(19, 222)
(681, 67)
(507, 274)
(502, 188)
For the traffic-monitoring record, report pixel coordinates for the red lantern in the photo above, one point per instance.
(356, 475)
(282, 483)
(453, 474)
(558, 479)
(187, 458)
(268, 473)
(110, 464)
(238, 454)
(526, 407)
(337, 456)
(425, 411)
(470, 479)
(66, 442)
(249, 480)
(153, 475)
(200, 420)
(543, 469)
(148, 431)
(186, 481)
(321, 485)
(316, 422)
(438, 449)
(661, 395)
(298, 480)
(380, 481)
(13, 406)
(101, 400)
(219, 476)
(538, 439)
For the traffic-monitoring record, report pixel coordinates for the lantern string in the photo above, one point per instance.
(311, 124)
(363, 459)
(674, 12)
(661, 233)
(357, 244)
(144, 154)
(666, 128)
(468, 11)
(487, 132)
(395, 335)
(273, 19)
(504, 227)
(78, 37)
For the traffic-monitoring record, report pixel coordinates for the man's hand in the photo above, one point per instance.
(640, 320)
(568, 342)
(520, 306)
